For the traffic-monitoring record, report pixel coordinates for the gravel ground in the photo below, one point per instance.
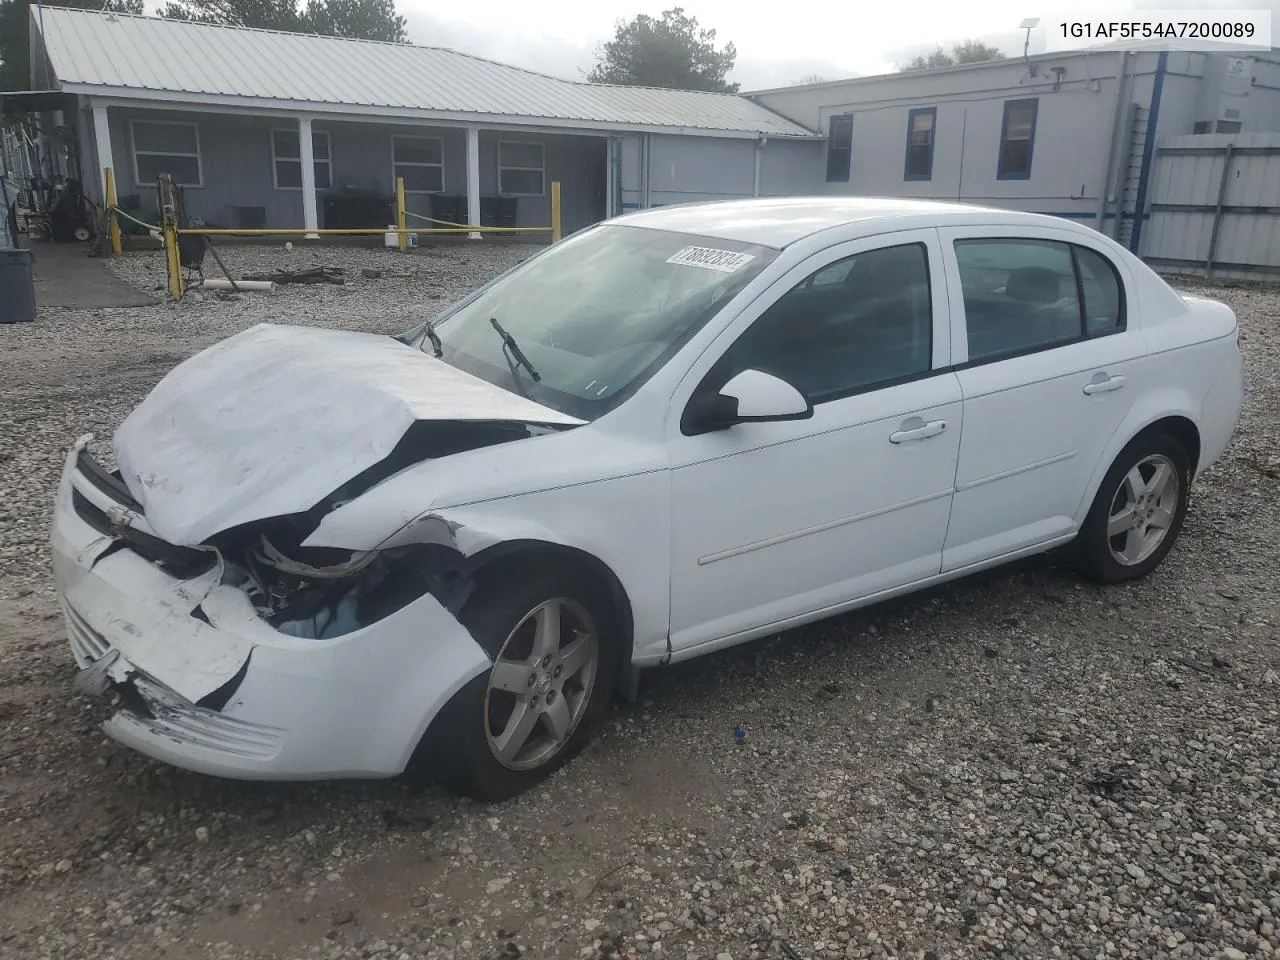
(1017, 765)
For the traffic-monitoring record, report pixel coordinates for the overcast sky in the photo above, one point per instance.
(778, 43)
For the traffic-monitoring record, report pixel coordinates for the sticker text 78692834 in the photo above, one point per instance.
(708, 258)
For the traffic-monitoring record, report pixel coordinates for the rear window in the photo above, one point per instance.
(1023, 295)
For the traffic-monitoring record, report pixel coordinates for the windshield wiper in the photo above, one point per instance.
(509, 343)
(436, 346)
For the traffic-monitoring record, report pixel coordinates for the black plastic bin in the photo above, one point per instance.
(449, 207)
(17, 287)
(499, 211)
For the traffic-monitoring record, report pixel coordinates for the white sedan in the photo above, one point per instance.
(333, 554)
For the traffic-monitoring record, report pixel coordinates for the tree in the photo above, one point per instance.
(975, 51)
(810, 78)
(15, 15)
(358, 19)
(969, 51)
(266, 14)
(672, 51)
(366, 19)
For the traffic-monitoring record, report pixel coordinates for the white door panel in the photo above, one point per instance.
(786, 518)
(778, 520)
(1034, 428)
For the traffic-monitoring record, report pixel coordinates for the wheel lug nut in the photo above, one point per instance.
(546, 661)
(533, 678)
(558, 671)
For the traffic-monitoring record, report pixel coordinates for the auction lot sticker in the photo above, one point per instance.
(709, 258)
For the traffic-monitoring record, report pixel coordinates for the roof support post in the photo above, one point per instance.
(473, 179)
(755, 180)
(306, 154)
(102, 142)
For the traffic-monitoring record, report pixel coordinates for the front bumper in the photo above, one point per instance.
(203, 683)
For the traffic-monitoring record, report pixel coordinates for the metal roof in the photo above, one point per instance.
(138, 57)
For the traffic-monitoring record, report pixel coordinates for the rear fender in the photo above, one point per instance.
(1150, 408)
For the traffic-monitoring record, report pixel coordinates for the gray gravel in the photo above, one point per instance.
(1017, 765)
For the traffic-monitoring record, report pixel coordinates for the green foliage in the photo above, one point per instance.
(357, 19)
(670, 51)
(366, 19)
(970, 51)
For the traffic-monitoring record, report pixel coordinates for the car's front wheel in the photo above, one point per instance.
(1138, 511)
(549, 635)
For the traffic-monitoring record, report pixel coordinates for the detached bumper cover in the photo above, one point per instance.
(204, 683)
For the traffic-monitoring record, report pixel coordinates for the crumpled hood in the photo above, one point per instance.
(270, 421)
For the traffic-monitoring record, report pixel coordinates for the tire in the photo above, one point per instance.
(471, 746)
(1128, 532)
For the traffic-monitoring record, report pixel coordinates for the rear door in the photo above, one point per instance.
(1047, 363)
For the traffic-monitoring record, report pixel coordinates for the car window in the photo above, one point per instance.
(597, 314)
(861, 321)
(1019, 295)
(1103, 300)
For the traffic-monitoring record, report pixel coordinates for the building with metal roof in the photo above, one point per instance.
(262, 127)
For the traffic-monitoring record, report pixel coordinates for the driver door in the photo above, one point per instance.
(773, 522)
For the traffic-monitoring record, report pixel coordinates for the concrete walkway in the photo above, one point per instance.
(66, 276)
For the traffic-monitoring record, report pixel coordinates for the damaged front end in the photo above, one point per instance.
(251, 655)
(323, 592)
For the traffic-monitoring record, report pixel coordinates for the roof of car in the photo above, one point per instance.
(779, 221)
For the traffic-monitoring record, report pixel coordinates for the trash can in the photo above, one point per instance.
(17, 287)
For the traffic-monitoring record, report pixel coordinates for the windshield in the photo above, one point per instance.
(596, 315)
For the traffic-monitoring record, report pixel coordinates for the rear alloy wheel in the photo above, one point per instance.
(1138, 512)
(548, 634)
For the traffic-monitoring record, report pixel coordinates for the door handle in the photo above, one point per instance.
(917, 429)
(1103, 384)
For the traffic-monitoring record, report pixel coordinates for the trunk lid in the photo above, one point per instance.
(272, 420)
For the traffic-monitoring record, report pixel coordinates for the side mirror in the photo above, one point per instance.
(752, 396)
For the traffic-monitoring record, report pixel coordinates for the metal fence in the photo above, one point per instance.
(1215, 206)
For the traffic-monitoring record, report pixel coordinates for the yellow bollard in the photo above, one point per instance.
(555, 211)
(174, 263)
(113, 221)
(169, 222)
(400, 217)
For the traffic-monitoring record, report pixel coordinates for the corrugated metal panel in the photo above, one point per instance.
(1189, 173)
(118, 52)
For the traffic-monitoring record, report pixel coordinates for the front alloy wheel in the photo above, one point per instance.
(541, 683)
(549, 633)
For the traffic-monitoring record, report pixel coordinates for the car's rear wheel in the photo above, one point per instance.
(549, 636)
(1138, 512)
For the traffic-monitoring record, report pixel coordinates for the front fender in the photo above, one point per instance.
(623, 522)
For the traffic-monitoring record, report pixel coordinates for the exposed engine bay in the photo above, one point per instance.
(321, 592)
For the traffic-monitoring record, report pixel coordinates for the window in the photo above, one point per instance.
(1021, 296)
(597, 314)
(286, 159)
(420, 160)
(840, 148)
(1203, 126)
(1228, 126)
(172, 148)
(1100, 284)
(520, 169)
(1017, 137)
(920, 124)
(861, 322)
